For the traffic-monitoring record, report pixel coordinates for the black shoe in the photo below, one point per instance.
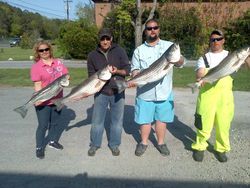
(221, 156)
(140, 149)
(92, 150)
(40, 153)
(115, 151)
(55, 145)
(163, 149)
(198, 155)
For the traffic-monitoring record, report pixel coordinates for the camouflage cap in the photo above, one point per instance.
(217, 32)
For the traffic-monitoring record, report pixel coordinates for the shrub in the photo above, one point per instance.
(77, 39)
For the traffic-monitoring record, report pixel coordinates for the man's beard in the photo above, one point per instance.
(152, 39)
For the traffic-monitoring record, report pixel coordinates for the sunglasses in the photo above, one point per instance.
(152, 28)
(216, 39)
(43, 50)
(105, 38)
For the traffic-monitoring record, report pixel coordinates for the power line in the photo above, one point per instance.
(32, 9)
(41, 6)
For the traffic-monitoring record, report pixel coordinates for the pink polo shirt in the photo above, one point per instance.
(47, 74)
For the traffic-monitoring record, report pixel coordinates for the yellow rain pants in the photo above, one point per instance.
(215, 107)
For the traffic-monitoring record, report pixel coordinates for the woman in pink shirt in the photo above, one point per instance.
(44, 71)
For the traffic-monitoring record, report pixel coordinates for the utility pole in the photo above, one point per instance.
(67, 7)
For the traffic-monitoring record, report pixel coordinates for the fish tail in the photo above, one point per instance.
(22, 110)
(59, 104)
(121, 85)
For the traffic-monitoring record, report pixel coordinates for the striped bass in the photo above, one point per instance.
(155, 71)
(227, 66)
(46, 93)
(88, 87)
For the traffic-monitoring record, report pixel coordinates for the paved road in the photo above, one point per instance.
(68, 63)
(27, 64)
(72, 168)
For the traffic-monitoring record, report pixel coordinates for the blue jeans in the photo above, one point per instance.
(102, 102)
(48, 118)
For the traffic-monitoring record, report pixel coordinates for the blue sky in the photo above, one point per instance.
(48, 8)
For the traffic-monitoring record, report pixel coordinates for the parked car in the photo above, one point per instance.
(15, 41)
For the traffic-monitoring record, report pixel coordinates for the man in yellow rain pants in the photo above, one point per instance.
(215, 103)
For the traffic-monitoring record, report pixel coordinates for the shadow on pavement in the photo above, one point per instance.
(17, 180)
(84, 122)
(182, 132)
(67, 115)
(129, 125)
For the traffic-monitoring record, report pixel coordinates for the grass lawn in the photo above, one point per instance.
(19, 54)
(182, 77)
(16, 53)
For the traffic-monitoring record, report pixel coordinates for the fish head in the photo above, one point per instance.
(173, 53)
(64, 80)
(243, 53)
(104, 74)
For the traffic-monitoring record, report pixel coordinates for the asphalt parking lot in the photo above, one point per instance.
(72, 168)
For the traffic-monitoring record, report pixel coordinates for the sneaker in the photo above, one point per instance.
(198, 155)
(92, 150)
(140, 149)
(55, 145)
(221, 156)
(40, 153)
(163, 149)
(115, 151)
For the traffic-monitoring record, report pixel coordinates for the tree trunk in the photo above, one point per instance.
(138, 26)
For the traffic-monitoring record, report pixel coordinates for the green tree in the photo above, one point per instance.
(184, 27)
(15, 22)
(77, 39)
(237, 32)
(86, 12)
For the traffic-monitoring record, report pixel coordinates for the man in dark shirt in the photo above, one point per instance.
(108, 53)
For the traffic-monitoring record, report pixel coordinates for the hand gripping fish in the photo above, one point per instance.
(155, 71)
(46, 93)
(227, 66)
(88, 87)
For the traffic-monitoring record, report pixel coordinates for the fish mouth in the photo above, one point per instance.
(65, 83)
(105, 76)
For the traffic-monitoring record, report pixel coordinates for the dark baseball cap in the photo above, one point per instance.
(217, 32)
(105, 32)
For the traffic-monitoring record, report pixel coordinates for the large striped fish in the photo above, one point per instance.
(155, 71)
(88, 87)
(227, 66)
(48, 92)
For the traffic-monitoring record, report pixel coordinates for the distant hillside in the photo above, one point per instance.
(15, 22)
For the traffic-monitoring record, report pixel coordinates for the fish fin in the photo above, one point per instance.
(98, 84)
(58, 103)
(83, 95)
(167, 66)
(121, 85)
(21, 110)
(194, 86)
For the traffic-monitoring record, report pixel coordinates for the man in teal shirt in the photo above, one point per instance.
(154, 102)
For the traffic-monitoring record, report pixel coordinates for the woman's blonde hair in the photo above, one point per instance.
(36, 48)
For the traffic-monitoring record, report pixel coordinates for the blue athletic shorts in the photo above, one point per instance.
(147, 112)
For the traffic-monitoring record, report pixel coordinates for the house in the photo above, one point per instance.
(218, 11)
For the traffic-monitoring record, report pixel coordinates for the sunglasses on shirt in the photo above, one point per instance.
(43, 50)
(216, 39)
(152, 28)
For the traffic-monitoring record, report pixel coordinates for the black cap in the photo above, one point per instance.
(217, 32)
(105, 32)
